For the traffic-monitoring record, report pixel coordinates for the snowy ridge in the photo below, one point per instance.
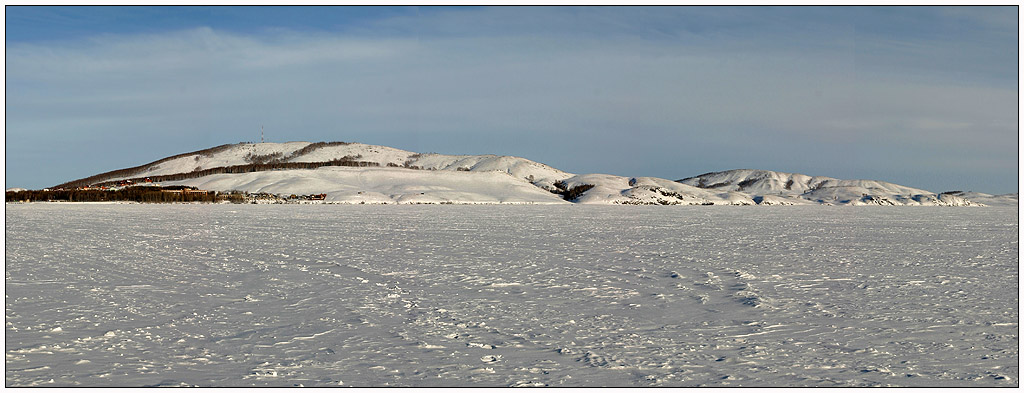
(384, 186)
(233, 155)
(986, 199)
(794, 188)
(791, 184)
(610, 189)
(245, 153)
(390, 175)
(382, 155)
(539, 174)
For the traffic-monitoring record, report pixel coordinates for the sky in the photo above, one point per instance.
(925, 97)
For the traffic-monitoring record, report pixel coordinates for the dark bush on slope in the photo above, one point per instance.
(570, 194)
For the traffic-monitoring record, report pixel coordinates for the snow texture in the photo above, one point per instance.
(566, 295)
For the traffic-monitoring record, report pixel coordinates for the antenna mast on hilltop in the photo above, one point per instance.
(261, 133)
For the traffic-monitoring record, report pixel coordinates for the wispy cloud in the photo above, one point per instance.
(703, 88)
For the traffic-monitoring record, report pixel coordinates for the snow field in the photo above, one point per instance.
(570, 295)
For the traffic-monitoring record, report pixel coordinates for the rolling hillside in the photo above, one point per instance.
(360, 173)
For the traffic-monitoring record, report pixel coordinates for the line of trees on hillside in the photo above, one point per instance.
(313, 146)
(352, 161)
(279, 157)
(252, 159)
(139, 169)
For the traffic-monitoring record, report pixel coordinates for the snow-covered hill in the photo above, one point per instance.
(306, 152)
(360, 173)
(987, 199)
(383, 185)
(795, 188)
(609, 189)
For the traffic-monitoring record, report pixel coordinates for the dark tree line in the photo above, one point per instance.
(747, 183)
(247, 168)
(313, 146)
(138, 169)
(253, 159)
(345, 161)
(278, 157)
(134, 194)
(271, 158)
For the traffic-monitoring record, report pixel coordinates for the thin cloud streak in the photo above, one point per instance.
(699, 94)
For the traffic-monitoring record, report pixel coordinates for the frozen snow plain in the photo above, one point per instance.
(322, 295)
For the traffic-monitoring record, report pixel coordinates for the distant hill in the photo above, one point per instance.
(360, 173)
(987, 199)
(785, 188)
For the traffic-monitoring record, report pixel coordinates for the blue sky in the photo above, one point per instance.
(921, 96)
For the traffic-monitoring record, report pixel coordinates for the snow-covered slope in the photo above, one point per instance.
(232, 155)
(296, 152)
(781, 187)
(610, 189)
(382, 155)
(986, 199)
(388, 175)
(383, 185)
(521, 168)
